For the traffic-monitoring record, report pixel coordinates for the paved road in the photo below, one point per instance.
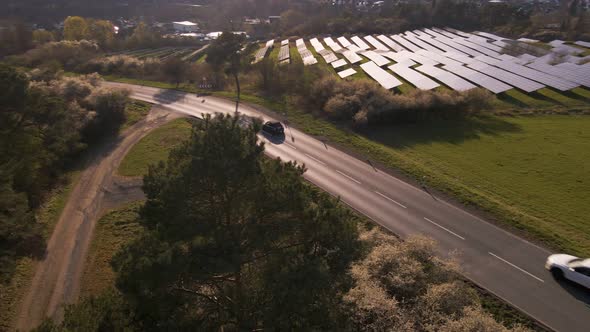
(502, 263)
(57, 276)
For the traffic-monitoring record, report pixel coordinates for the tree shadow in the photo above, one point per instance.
(454, 131)
(166, 96)
(579, 292)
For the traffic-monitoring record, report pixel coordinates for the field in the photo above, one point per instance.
(533, 167)
(113, 230)
(154, 147)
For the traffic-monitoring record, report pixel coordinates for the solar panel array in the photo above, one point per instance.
(333, 45)
(427, 58)
(415, 78)
(261, 53)
(346, 72)
(478, 78)
(344, 42)
(447, 78)
(284, 55)
(376, 58)
(384, 78)
(306, 55)
(352, 57)
(360, 43)
(390, 43)
(338, 63)
(583, 43)
(376, 44)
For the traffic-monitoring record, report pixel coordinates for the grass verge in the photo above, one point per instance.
(154, 147)
(115, 229)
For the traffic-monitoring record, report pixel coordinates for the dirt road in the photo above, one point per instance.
(57, 276)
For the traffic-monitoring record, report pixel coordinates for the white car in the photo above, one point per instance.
(570, 267)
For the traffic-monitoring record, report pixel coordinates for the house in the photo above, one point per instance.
(185, 26)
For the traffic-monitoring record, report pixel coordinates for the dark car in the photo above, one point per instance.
(273, 128)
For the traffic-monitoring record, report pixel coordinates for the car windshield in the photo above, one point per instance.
(575, 262)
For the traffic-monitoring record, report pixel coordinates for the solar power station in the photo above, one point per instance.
(430, 58)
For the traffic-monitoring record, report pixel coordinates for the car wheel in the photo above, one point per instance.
(557, 273)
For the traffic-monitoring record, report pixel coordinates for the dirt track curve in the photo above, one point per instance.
(57, 277)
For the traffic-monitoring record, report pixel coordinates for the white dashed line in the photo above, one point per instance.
(516, 267)
(312, 158)
(349, 177)
(387, 198)
(446, 229)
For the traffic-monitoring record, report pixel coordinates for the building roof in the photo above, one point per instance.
(187, 23)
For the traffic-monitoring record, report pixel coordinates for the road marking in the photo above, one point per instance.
(516, 267)
(446, 229)
(312, 158)
(291, 146)
(400, 204)
(348, 176)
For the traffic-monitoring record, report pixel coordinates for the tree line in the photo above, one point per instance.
(45, 124)
(236, 241)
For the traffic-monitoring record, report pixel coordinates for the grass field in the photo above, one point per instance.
(532, 167)
(134, 112)
(154, 147)
(113, 230)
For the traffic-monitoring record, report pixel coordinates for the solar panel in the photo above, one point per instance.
(384, 78)
(477, 47)
(332, 44)
(415, 40)
(338, 63)
(354, 48)
(285, 42)
(360, 43)
(376, 58)
(478, 78)
(583, 43)
(261, 53)
(401, 57)
(527, 40)
(415, 78)
(390, 43)
(346, 72)
(451, 80)
(405, 43)
(455, 45)
(439, 58)
(446, 33)
(574, 74)
(538, 76)
(344, 42)
(459, 32)
(489, 35)
(316, 45)
(352, 57)
(430, 40)
(506, 77)
(284, 54)
(306, 56)
(376, 44)
(420, 58)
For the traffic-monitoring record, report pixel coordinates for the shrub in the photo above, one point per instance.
(70, 54)
(366, 103)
